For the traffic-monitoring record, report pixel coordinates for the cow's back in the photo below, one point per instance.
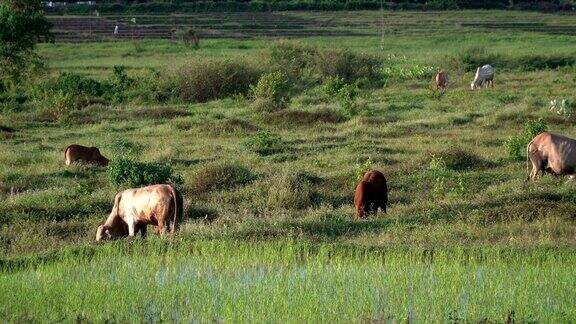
(149, 203)
(558, 151)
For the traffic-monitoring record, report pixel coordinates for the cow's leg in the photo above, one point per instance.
(161, 228)
(141, 227)
(131, 226)
(383, 206)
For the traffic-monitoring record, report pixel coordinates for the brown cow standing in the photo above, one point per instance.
(552, 153)
(371, 194)
(441, 80)
(158, 205)
(84, 154)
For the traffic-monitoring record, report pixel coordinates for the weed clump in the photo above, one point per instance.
(201, 80)
(516, 145)
(346, 94)
(220, 176)
(271, 92)
(265, 143)
(290, 190)
(138, 174)
(460, 160)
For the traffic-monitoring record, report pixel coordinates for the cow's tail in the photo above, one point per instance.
(528, 159)
(66, 155)
(175, 220)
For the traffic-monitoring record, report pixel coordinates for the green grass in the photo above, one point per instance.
(291, 281)
(276, 240)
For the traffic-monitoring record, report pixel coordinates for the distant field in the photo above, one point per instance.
(465, 237)
(247, 25)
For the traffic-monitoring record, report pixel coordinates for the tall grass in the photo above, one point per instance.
(290, 281)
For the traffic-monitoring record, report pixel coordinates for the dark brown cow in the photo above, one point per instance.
(134, 209)
(555, 154)
(90, 155)
(371, 194)
(441, 80)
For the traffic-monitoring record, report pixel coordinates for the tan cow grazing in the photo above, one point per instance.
(441, 80)
(371, 194)
(551, 153)
(158, 205)
(90, 155)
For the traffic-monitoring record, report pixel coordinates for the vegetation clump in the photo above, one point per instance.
(138, 174)
(290, 190)
(516, 145)
(201, 80)
(265, 143)
(271, 92)
(220, 176)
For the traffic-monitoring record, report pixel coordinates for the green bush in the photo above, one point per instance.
(470, 58)
(205, 79)
(309, 65)
(346, 94)
(516, 145)
(265, 143)
(221, 176)
(333, 85)
(138, 174)
(271, 92)
(291, 58)
(290, 190)
(349, 66)
(75, 85)
(119, 84)
(446, 182)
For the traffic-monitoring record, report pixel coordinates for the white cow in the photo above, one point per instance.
(484, 77)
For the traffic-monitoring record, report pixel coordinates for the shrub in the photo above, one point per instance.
(220, 176)
(290, 190)
(265, 143)
(347, 99)
(349, 66)
(290, 57)
(138, 174)
(119, 84)
(189, 36)
(205, 79)
(59, 105)
(75, 85)
(271, 92)
(303, 64)
(472, 57)
(516, 145)
(333, 85)
(346, 94)
(445, 181)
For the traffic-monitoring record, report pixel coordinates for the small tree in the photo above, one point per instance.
(22, 25)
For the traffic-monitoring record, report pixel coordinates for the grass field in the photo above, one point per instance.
(465, 237)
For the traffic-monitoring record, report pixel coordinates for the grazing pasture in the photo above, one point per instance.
(267, 159)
